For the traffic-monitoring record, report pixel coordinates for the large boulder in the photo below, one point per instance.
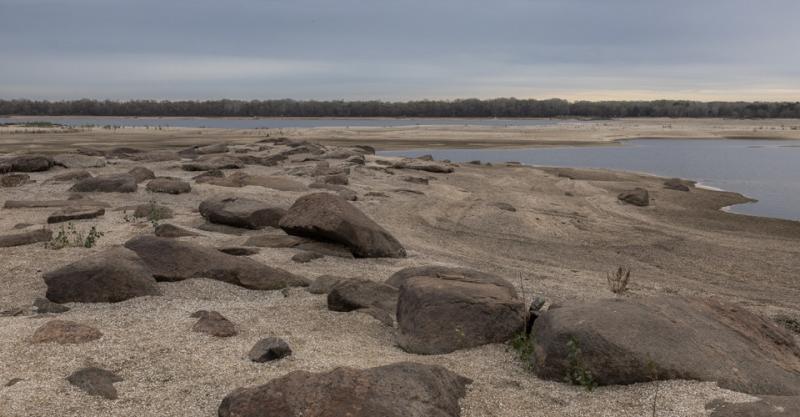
(76, 160)
(117, 183)
(324, 216)
(172, 260)
(114, 275)
(241, 212)
(447, 310)
(168, 185)
(625, 341)
(403, 389)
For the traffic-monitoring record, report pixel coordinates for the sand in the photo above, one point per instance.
(554, 245)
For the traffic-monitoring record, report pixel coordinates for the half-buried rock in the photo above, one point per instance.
(172, 231)
(241, 212)
(14, 180)
(327, 217)
(441, 310)
(95, 381)
(213, 323)
(625, 341)
(25, 238)
(114, 275)
(403, 389)
(117, 183)
(172, 260)
(65, 332)
(75, 213)
(637, 197)
(168, 185)
(269, 349)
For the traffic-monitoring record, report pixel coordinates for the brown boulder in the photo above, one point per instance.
(117, 183)
(241, 212)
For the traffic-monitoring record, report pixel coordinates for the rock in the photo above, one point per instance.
(326, 249)
(347, 194)
(45, 306)
(239, 251)
(356, 160)
(110, 276)
(123, 152)
(213, 323)
(141, 174)
(25, 238)
(398, 278)
(323, 169)
(172, 260)
(324, 216)
(95, 381)
(161, 155)
(209, 176)
(221, 228)
(152, 211)
(445, 310)
(168, 185)
(398, 390)
(678, 184)
(209, 149)
(241, 212)
(416, 180)
(338, 179)
(17, 204)
(427, 157)
(76, 160)
(638, 197)
(29, 163)
(75, 213)
(766, 406)
(65, 332)
(14, 180)
(324, 284)
(72, 176)
(269, 349)
(423, 166)
(117, 183)
(13, 381)
(365, 149)
(208, 163)
(241, 179)
(305, 257)
(625, 341)
(274, 241)
(355, 294)
(504, 206)
(172, 231)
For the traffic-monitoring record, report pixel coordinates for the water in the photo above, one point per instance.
(255, 123)
(768, 171)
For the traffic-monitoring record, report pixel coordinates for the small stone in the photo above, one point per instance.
(213, 323)
(13, 381)
(95, 381)
(44, 306)
(269, 349)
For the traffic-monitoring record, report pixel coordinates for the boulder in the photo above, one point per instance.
(213, 323)
(110, 276)
(355, 294)
(625, 341)
(269, 349)
(25, 238)
(325, 216)
(76, 160)
(211, 162)
(168, 185)
(446, 310)
(208, 176)
(338, 179)
(241, 212)
(72, 176)
(142, 174)
(766, 406)
(95, 381)
(637, 197)
(14, 180)
(402, 389)
(75, 213)
(172, 231)
(117, 183)
(172, 260)
(28, 163)
(65, 332)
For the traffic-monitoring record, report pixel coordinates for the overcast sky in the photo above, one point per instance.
(400, 49)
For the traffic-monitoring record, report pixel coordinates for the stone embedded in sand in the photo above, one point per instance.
(324, 216)
(306, 257)
(211, 162)
(421, 165)
(766, 406)
(678, 184)
(402, 389)
(323, 284)
(45, 306)
(241, 212)
(110, 276)
(152, 211)
(208, 176)
(159, 155)
(168, 185)
(355, 294)
(269, 349)
(625, 341)
(172, 231)
(338, 179)
(239, 251)
(442, 310)
(25, 238)
(213, 323)
(65, 332)
(141, 174)
(504, 206)
(27, 163)
(275, 241)
(323, 169)
(73, 176)
(75, 213)
(14, 180)
(416, 180)
(18, 204)
(241, 179)
(638, 197)
(172, 260)
(76, 160)
(209, 149)
(95, 381)
(117, 183)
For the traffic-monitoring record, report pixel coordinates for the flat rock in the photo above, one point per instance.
(416, 180)
(28, 163)
(323, 284)
(65, 332)
(25, 238)
(269, 349)
(152, 211)
(117, 183)
(76, 160)
(95, 381)
(172, 231)
(327, 217)
(75, 213)
(14, 180)
(766, 406)
(23, 204)
(241, 212)
(274, 241)
(45, 306)
(306, 257)
(239, 251)
(421, 165)
(241, 179)
(213, 323)
(142, 174)
(159, 155)
(110, 276)
(637, 197)
(172, 260)
(625, 341)
(355, 294)
(211, 162)
(72, 176)
(403, 389)
(168, 185)
(445, 310)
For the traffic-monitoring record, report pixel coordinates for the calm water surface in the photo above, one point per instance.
(768, 171)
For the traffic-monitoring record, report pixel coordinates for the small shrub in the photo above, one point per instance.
(618, 280)
(577, 373)
(523, 345)
(72, 237)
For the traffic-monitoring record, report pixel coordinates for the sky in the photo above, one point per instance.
(400, 49)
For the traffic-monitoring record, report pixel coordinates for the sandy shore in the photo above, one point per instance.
(568, 231)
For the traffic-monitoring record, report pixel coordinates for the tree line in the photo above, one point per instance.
(500, 107)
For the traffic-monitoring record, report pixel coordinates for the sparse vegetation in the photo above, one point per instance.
(618, 280)
(523, 345)
(789, 323)
(70, 236)
(577, 373)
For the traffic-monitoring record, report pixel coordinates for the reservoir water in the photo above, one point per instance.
(766, 170)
